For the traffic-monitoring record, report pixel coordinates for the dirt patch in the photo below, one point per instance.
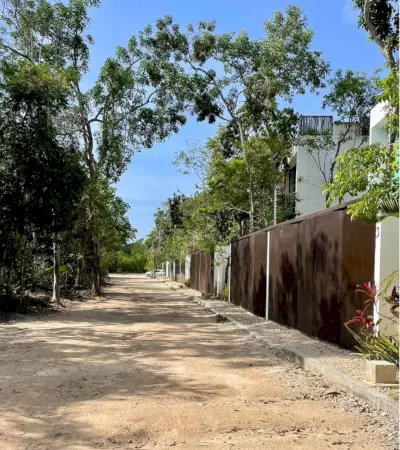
(145, 368)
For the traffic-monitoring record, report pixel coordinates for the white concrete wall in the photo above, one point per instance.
(187, 267)
(309, 178)
(377, 132)
(387, 232)
(167, 269)
(386, 262)
(221, 256)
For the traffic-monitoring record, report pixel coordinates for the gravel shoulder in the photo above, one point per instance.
(146, 368)
(342, 360)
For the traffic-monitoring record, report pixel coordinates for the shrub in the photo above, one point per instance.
(373, 344)
(221, 319)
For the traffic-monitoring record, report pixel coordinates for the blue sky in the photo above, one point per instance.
(151, 177)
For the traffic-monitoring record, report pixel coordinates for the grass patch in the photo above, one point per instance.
(394, 394)
(219, 318)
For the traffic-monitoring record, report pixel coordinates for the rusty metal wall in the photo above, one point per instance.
(315, 264)
(248, 278)
(357, 268)
(201, 272)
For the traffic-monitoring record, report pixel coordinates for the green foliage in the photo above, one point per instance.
(251, 78)
(378, 347)
(135, 102)
(259, 170)
(380, 18)
(371, 172)
(373, 344)
(390, 96)
(255, 72)
(351, 96)
(41, 177)
(221, 319)
(132, 259)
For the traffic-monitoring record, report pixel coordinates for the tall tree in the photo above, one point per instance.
(134, 103)
(240, 81)
(41, 180)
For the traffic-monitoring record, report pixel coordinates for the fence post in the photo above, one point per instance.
(229, 273)
(267, 279)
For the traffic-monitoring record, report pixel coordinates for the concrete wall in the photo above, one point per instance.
(386, 262)
(221, 261)
(387, 232)
(187, 267)
(309, 178)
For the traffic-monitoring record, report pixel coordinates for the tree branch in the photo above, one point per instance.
(96, 117)
(375, 36)
(17, 52)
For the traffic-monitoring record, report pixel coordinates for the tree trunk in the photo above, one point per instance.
(251, 212)
(3, 270)
(375, 36)
(96, 267)
(154, 263)
(56, 270)
(250, 189)
(22, 278)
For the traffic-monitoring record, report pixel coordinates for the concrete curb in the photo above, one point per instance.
(375, 398)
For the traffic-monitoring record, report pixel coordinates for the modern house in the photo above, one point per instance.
(312, 157)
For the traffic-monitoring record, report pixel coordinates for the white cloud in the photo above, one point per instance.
(350, 15)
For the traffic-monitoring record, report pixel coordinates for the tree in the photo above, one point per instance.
(351, 97)
(256, 74)
(41, 180)
(219, 210)
(380, 18)
(373, 173)
(134, 103)
(195, 160)
(229, 179)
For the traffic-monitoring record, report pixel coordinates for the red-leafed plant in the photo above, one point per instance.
(372, 343)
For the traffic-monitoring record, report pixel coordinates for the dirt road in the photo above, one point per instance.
(145, 368)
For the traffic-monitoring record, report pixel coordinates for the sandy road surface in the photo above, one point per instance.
(145, 368)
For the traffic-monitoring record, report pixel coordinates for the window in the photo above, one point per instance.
(292, 180)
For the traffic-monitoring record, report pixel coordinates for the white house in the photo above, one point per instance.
(309, 167)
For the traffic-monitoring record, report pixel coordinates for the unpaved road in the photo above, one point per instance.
(145, 368)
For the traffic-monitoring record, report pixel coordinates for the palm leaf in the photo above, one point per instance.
(388, 207)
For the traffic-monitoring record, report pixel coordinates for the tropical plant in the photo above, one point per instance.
(372, 173)
(373, 343)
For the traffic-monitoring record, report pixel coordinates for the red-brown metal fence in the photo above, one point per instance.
(315, 262)
(315, 265)
(248, 272)
(201, 272)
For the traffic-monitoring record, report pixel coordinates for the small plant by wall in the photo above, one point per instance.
(371, 343)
